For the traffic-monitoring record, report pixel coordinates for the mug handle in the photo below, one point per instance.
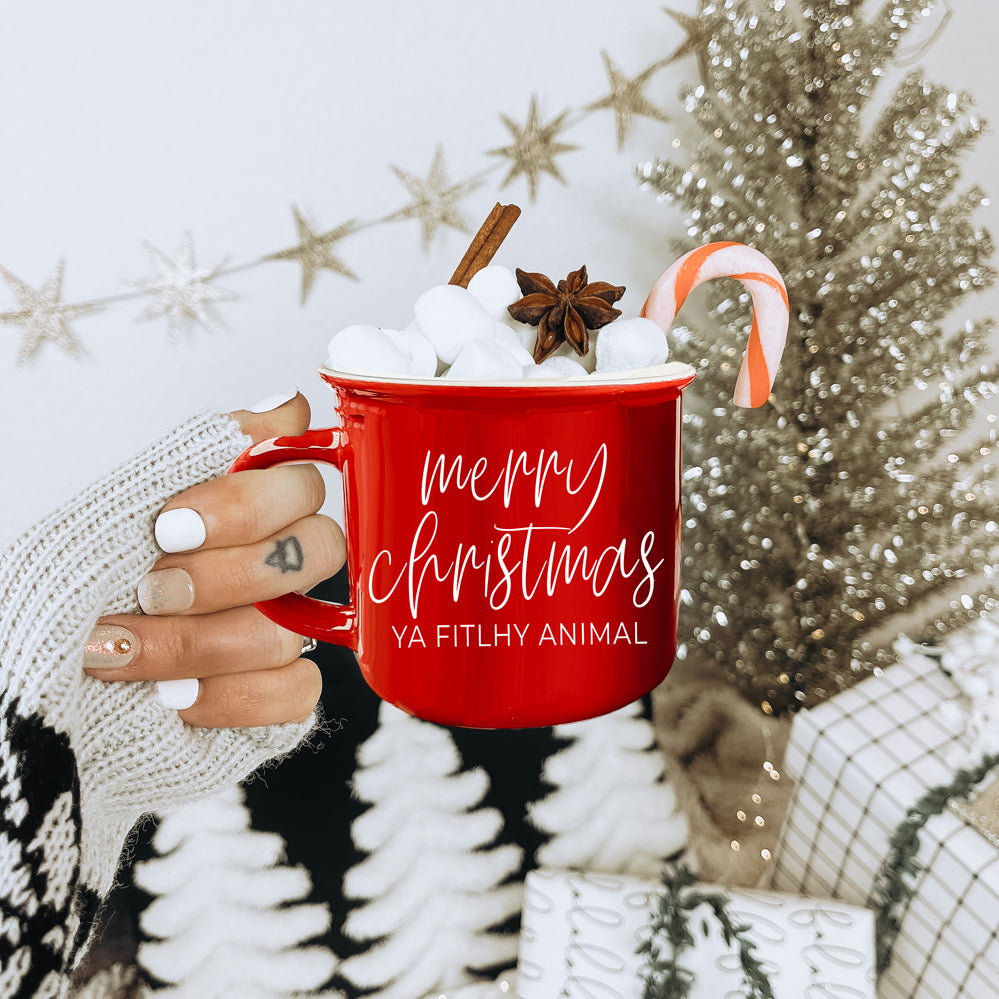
(318, 619)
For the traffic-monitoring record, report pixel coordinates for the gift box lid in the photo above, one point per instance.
(869, 766)
(859, 761)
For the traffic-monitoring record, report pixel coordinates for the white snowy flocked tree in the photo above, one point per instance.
(611, 809)
(227, 920)
(434, 888)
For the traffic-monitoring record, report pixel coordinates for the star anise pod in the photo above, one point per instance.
(565, 313)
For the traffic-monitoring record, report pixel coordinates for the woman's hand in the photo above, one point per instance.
(230, 542)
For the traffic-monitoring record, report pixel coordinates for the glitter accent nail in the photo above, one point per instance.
(166, 591)
(109, 646)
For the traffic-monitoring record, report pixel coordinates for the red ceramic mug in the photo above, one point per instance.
(513, 550)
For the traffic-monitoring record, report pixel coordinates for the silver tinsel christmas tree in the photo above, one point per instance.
(810, 524)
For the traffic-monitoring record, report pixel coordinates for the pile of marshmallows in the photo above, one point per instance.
(468, 335)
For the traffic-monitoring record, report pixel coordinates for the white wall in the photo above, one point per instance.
(125, 123)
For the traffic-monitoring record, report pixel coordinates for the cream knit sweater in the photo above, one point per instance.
(82, 760)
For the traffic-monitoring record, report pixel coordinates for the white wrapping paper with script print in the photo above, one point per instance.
(580, 934)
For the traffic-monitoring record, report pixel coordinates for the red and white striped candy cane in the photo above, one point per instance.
(771, 313)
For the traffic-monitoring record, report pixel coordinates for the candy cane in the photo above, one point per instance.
(771, 313)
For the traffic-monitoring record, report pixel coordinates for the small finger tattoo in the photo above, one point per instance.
(287, 555)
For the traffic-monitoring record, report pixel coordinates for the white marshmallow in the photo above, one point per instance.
(481, 361)
(496, 288)
(419, 350)
(526, 333)
(588, 360)
(502, 334)
(626, 344)
(556, 367)
(367, 350)
(451, 316)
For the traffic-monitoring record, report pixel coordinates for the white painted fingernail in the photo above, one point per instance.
(273, 401)
(180, 530)
(178, 694)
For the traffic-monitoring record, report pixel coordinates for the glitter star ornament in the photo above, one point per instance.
(627, 97)
(700, 30)
(435, 198)
(534, 148)
(182, 290)
(41, 315)
(315, 251)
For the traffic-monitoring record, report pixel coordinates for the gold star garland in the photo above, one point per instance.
(700, 30)
(41, 315)
(627, 99)
(184, 293)
(435, 200)
(534, 148)
(315, 251)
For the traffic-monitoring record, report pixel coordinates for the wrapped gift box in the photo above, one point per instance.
(580, 935)
(859, 762)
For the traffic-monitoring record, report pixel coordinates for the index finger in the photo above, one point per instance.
(185, 521)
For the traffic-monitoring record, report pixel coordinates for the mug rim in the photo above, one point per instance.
(672, 373)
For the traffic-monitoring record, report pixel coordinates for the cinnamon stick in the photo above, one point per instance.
(485, 243)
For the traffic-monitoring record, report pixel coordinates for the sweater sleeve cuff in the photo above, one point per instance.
(82, 562)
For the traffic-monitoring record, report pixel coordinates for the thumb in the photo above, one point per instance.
(284, 415)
